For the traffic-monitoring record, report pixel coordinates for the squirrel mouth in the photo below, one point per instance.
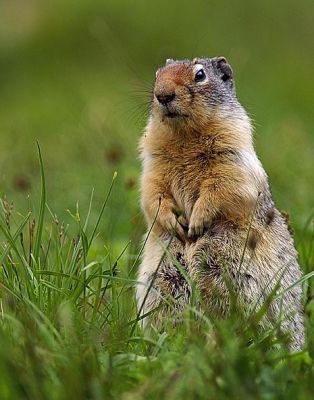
(174, 114)
(170, 114)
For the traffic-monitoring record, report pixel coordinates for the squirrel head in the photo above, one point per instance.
(193, 92)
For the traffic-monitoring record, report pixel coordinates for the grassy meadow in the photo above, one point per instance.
(75, 81)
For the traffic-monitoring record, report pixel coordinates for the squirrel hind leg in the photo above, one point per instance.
(161, 284)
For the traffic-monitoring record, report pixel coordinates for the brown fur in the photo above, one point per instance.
(200, 172)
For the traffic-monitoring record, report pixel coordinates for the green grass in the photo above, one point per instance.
(75, 76)
(69, 325)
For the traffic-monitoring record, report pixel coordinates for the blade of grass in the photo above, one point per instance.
(102, 209)
(41, 207)
(14, 238)
(296, 283)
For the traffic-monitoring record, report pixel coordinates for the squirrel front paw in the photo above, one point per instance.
(173, 224)
(200, 219)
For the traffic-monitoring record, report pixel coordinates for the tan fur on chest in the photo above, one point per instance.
(185, 163)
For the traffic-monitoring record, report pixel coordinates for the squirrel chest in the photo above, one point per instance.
(184, 166)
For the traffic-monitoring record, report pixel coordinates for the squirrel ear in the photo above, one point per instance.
(169, 61)
(223, 68)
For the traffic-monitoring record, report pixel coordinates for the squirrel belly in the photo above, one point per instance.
(206, 198)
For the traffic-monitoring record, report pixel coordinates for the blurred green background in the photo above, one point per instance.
(76, 74)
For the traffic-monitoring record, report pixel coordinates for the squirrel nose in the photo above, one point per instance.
(164, 99)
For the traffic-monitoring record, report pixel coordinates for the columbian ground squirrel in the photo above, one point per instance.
(207, 203)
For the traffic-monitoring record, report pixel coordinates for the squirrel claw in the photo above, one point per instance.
(183, 222)
(195, 232)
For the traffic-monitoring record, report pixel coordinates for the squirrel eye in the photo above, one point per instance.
(199, 76)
